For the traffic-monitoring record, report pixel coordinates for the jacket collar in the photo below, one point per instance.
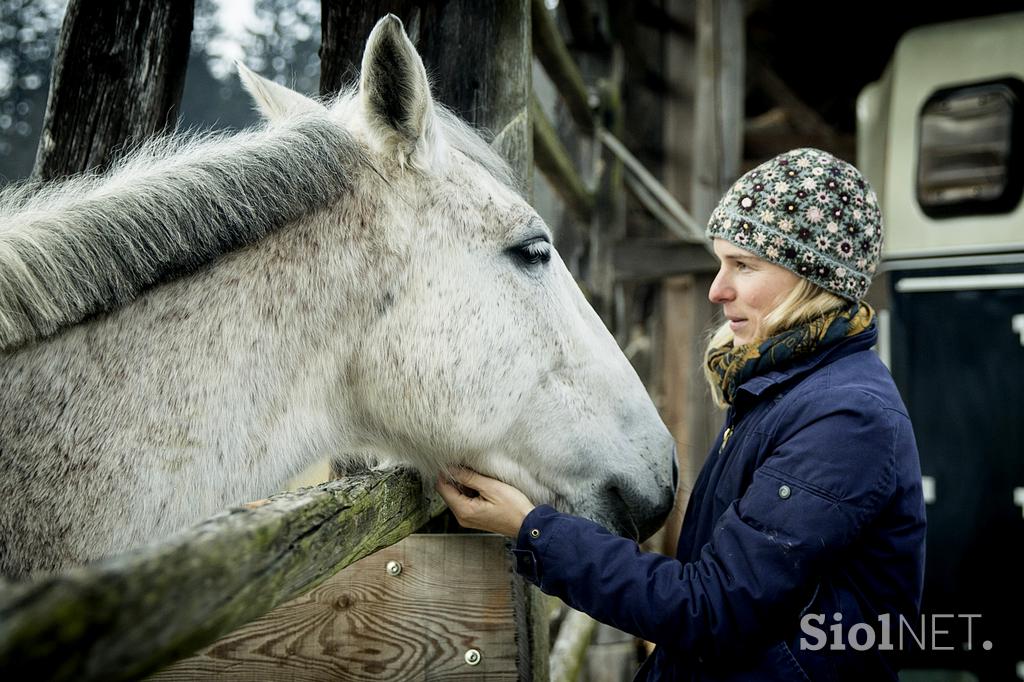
(756, 386)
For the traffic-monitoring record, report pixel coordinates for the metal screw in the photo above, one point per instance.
(472, 657)
(393, 568)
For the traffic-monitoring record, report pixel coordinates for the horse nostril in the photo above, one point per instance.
(621, 513)
(637, 513)
(675, 470)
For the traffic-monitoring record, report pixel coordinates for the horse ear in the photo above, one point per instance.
(274, 102)
(394, 89)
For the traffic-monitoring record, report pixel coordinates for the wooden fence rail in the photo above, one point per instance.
(560, 66)
(127, 616)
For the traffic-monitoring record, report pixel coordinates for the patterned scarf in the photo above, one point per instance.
(734, 366)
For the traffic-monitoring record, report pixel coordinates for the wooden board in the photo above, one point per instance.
(453, 594)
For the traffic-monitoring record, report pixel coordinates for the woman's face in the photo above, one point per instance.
(747, 288)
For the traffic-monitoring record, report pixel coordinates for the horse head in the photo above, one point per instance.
(483, 351)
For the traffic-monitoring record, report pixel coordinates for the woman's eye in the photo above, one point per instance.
(534, 252)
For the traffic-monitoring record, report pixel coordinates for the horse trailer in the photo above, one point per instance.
(941, 139)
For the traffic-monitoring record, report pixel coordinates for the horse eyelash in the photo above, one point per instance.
(535, 251)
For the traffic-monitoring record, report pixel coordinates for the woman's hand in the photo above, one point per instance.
(498, 507)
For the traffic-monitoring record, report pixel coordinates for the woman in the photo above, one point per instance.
(807, 518)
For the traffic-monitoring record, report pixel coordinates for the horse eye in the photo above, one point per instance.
(534, 252)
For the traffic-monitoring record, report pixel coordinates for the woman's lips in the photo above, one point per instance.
(736, 325)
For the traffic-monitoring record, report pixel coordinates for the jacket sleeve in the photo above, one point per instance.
(823, 481)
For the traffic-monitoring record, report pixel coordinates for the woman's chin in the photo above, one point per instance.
(743, 332)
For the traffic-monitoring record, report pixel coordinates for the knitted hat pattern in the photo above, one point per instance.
(809, 212)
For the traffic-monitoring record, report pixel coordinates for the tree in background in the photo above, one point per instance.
(276, 38)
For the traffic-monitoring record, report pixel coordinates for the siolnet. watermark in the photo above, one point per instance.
(934, 632)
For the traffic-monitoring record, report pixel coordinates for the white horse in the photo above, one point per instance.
(193, 328)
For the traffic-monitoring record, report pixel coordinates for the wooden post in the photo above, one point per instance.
(601, 67)
(718, 134)
(685, 401)
(118, 76)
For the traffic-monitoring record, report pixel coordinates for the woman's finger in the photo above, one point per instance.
(472, 479)
(451, 495)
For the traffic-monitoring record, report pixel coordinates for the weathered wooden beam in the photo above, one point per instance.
(652, 192)
(654, 259)
(118, 75)
(661, 216)
(560, 66)
(127, 616)
(678, 126)
(553, 160)
(682, 310)
(718, 133)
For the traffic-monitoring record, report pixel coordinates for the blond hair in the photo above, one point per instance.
(804, 302)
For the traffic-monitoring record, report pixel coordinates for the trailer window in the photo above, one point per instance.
(969, 155)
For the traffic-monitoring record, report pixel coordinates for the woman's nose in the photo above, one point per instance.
(720, 291)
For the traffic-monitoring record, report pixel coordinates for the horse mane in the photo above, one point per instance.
(469, 141)
(92, 243)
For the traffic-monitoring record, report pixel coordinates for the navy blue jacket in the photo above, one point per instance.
(813, 507)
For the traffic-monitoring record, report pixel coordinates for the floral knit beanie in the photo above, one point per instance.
(809, 212)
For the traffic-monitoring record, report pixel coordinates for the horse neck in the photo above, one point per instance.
(277, 322)
(310, 291)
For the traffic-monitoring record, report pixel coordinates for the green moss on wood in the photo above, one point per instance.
(560, 66)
